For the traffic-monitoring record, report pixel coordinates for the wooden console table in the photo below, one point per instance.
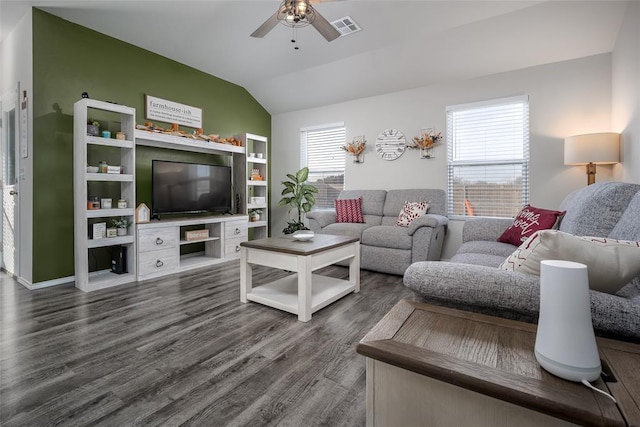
(434, 366)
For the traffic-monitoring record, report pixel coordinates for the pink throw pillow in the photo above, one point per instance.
(411, 211)
(527, 222)
(349, 210)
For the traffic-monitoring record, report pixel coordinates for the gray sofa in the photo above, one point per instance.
(472, 281)
(385, 247)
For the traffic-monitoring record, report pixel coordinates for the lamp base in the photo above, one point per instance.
(591, 173)
(568, 372)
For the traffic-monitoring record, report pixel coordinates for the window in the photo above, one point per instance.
(488, 157)
(320, 151)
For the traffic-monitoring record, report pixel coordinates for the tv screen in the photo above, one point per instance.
(179, 187)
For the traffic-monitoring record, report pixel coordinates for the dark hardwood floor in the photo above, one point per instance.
(184, 351)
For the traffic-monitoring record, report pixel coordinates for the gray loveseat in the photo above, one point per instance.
(472, 281)
(385, 247)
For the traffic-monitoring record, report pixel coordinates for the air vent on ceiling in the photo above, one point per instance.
(346, 26)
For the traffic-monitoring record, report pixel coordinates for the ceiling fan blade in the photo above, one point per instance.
(325, 28)
(266, 26)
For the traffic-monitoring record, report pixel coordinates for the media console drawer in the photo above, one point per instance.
(236, 229)
(163, 261)
(153, 239)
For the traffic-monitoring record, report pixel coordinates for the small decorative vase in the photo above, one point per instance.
(426, 153)
(358, 158)
(93, 130)
(122, 231)
(255, 217)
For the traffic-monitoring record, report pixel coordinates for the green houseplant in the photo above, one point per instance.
(121, 224)
(299, 196)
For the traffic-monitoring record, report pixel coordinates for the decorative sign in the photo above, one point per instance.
(172, 112)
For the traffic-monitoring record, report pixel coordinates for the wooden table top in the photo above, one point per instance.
(289, 245)
(495, 357)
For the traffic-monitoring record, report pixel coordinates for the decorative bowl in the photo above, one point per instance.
(303, 235)
(92, 169)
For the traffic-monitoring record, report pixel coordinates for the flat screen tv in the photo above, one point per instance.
(179, 188)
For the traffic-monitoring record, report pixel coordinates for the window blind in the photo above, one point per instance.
(321, 153)
(488, 157)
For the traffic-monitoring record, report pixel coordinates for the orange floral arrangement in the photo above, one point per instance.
(355, 148)
(426, 141)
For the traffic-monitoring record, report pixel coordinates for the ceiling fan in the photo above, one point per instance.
(296, 14)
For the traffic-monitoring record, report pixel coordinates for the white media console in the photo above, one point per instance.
(159, 244)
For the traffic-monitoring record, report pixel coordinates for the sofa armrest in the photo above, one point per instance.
(429, 220)
(323, 218)
(484, 228)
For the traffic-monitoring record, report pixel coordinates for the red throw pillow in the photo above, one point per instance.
(527, 222)
(349, 210)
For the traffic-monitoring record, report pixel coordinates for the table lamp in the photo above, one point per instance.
(592, 149)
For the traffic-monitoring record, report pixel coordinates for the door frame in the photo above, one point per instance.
(8, 101)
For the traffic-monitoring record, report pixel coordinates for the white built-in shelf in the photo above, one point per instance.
(261, 183)
(99, 213)
(256, 160)
(155, 139)
(109, 241)
(257, 206)
(112, 177)
(106, 279)
(255, 224)
(121, 118)
(109, 142)
(188, 242)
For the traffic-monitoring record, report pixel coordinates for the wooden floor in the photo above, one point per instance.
(184, 350)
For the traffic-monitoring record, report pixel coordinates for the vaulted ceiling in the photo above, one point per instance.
(403, 44)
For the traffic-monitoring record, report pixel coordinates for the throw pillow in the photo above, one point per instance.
(527, 222)
(411, 211)
(611, 263)
(349, 210)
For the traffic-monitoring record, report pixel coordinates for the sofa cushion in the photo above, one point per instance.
(611, 263)
(387, 236)
(628, 227)
(411, 211)
(349, 210)
(528, 221)
(395, 201)
(486, 260)
(596, 209)
(487, 247)
(372, 201)
(350, 229)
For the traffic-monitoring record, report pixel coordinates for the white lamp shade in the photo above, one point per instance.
(598, 148)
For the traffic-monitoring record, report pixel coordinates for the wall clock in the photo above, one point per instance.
(390, 144)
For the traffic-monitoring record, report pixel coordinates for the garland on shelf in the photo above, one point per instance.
(197, 134)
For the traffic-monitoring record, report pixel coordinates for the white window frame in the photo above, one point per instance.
(337, 168)
(521, 159)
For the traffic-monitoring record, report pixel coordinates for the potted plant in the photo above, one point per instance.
(254, 215)
(299, 196)
(121, 224)
(93, 127)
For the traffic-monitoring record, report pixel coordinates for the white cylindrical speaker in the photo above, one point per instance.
(565, 342)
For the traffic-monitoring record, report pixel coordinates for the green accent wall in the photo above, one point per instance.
(69, 59)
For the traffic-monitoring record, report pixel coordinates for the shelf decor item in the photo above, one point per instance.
(93, 127)
(121, 224)
(196, 235)
(254, 215)
(425, 142)
(356, 148)
(143, 213)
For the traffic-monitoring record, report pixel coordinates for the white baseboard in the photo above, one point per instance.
(46, 283)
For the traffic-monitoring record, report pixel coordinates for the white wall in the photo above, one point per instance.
(16, 65)
(566, 98)
(626, 94)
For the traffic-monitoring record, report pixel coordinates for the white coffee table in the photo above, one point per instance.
(302, 293)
